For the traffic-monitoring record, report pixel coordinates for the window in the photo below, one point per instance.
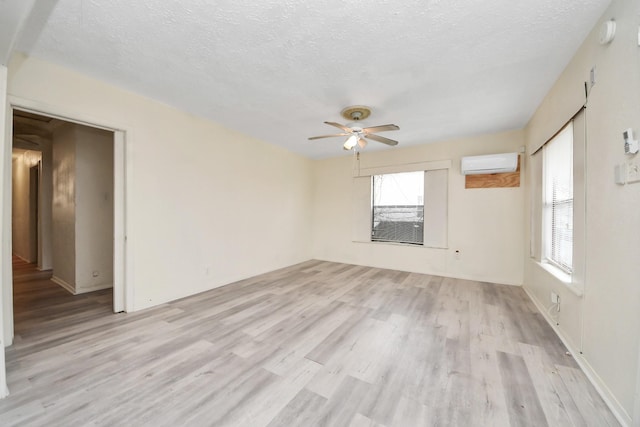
(405, 204)
(398, 208)
(558, 200)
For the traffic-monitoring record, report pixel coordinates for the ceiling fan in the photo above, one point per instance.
(357, 135)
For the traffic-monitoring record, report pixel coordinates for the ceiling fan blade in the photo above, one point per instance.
(339, 126)
(381, 128)
(329, 136)
(362, 142)
(381, 139)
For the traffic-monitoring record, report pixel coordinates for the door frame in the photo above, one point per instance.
(34, 213)
(122, 291)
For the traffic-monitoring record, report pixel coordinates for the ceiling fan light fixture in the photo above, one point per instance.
(350, 142)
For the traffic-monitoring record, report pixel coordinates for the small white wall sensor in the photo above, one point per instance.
(607, 32)
(630, 144)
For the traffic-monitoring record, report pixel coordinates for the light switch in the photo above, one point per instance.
(633, 171)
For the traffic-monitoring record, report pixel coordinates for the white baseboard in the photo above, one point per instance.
(616, 408)
(84, 290)
(72, 289)
(4, 391)
(22, 258)
(66, 286)
(497, 280)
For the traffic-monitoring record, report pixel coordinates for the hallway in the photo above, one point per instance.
(42, 309)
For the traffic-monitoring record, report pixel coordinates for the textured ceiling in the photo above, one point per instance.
(276, 69)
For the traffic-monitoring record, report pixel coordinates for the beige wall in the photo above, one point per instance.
(24, 242)
(205, 205)
(64, 207)
(485, 225)
(19, 207)
(94, 209)
(82, 208)
(603, 324)
(21, 203)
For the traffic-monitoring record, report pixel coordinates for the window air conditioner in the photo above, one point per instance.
(491, 163)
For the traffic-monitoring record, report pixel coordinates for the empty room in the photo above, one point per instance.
(320, 213)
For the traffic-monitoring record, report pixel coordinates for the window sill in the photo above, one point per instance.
(561, 276)
(409, 245)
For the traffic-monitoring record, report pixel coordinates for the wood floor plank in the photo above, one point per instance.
(410, 412)
(343, 404)
(523, 403)
(22, 414)
(587, 400)
(314, 344)
(346, 332)
(360, 420)
(300, 411)
(552, 393)
(489, 400)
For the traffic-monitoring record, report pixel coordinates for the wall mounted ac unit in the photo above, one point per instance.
(491, 163)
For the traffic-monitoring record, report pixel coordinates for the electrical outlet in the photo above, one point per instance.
(592, 76)
(555, 298)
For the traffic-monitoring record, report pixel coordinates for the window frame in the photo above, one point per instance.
(437, 189)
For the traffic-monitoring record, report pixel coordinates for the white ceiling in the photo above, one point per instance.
(276, 69)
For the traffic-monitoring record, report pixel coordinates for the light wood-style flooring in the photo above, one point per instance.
(316, 344)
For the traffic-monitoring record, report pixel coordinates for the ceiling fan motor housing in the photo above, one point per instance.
(356, 112)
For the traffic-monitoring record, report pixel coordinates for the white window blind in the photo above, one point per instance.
(558, 199)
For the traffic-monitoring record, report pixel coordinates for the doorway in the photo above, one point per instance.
(41, 224)
(74, 216)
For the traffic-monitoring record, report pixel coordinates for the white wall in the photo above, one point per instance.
(485, 225)
(94, 209)
(205, 205)
(64, 206)
(604, 323)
